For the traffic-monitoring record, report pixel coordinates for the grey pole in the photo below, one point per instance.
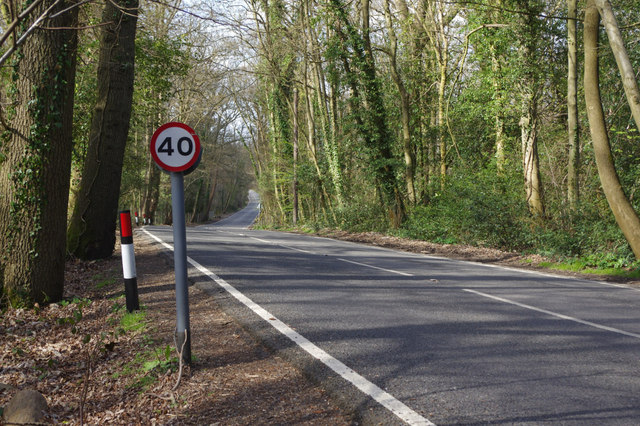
(183, 333)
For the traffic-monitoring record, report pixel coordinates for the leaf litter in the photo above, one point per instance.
(92, 370)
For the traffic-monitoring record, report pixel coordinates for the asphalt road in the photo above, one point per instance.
(453, 342)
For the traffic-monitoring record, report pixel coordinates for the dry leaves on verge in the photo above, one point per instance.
(87, 361)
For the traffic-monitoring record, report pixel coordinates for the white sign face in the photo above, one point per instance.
(175, 147)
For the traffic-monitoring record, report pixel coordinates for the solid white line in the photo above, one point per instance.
(165, 245)
(555, 314)
(385, 399)
(376, 267)
(382, 397)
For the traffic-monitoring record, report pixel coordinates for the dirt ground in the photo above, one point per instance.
(93, 369)
(76, 355)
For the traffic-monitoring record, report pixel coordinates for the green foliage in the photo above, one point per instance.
(486, 209)
(106, 282)
(134, 321)
(483, 209)
(159, 62)
(163, 360)
(147, 366)
(589, 231)
(614, 266)
(76, 314)
(85, 93)
(363, 217)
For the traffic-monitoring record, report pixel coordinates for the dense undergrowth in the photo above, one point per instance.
(488, 210)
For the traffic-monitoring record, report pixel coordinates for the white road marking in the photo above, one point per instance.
(406, 274)
(379, 395)
(281, 245)
(165, 245)
(261, 240)
(339, 258)
(555, 314)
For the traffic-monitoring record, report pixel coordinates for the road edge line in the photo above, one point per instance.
(395, 406)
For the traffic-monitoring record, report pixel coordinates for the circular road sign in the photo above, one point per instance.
(175, 147)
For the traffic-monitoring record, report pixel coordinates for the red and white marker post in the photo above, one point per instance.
(128, 262)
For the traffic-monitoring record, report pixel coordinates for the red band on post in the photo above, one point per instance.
(126, 234)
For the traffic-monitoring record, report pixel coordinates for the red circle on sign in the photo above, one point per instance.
(175, 147)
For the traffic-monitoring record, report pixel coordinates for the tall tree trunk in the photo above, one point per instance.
(330, 115)
(530, 159)
(622, 58)
(498, 122)
(371, 116)
(380, 137)
(152, 191)
(623, 211)
(91, 232)
(573, 171)
(405, 109)
(529, 119)
(194, 211)
(275, 172)
(442, 144)
(35, 162)
(327, 111)
(435, 26)
(212, 194)
(295, 156)
(312, 138)
(498, 87)
(416, 159)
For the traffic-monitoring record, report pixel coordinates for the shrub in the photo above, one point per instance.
(484, 209)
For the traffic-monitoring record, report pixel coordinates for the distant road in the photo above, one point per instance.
(441, 341)
(245, 217)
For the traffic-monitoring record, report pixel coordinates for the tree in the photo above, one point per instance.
(277, 66)
(367, 103)
(405, 102)
(437, 30)
(530, 98)
(161, 60)
(622, 58)
(572, 105)
(625, 215)
(322, 105)
(91, 233)
(35, 158)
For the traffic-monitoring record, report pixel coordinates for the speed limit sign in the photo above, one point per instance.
(175, 147)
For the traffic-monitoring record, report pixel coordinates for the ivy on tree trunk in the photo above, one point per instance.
(36, 161)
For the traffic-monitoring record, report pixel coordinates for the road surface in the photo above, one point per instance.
(428, 340)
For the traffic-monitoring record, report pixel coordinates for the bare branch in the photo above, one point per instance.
(31, 29)
(16, 21)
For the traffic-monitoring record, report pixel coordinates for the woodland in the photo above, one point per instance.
(495, 123)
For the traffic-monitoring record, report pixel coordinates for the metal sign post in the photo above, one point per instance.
(176, 149)
(183, 331)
